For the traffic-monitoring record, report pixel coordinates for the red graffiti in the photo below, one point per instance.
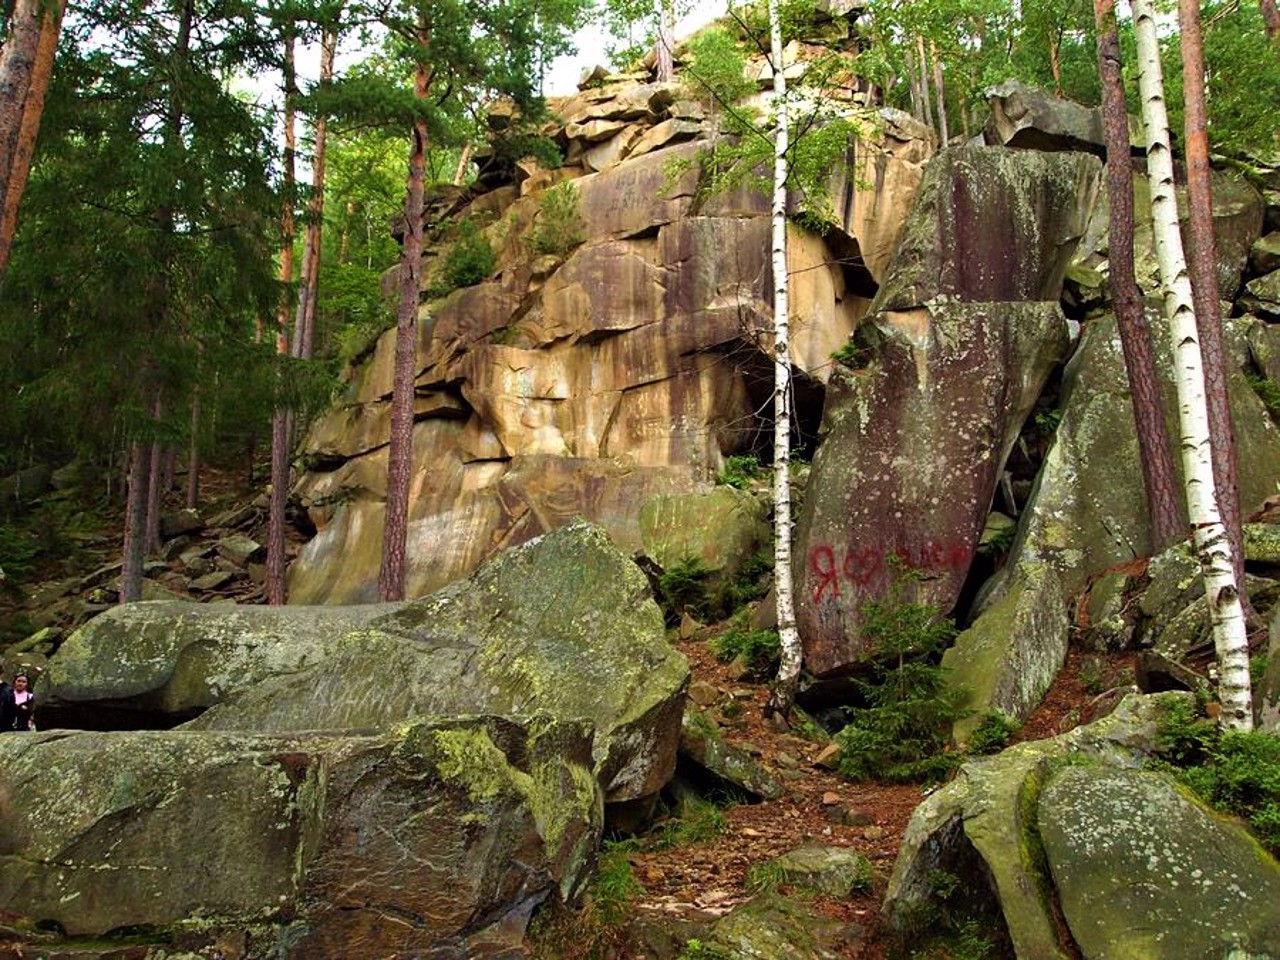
(862, 566)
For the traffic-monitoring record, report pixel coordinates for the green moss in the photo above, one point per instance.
(471, 758)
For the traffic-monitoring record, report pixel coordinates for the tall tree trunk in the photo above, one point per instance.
(1203, 263)
(913, 83)
(26, 64)
(193, 452)
(1270, 17)
(155, 495)
(941, 94)
(925, 93)
(1055, 59)
(666, 44)
(304, 323)
(464, 161)
(1155, 451)
(392, 574)
(280, 439)
(784, 688)
(1212, 543)
(135, 522)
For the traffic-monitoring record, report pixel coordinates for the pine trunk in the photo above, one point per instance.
(305, 318)
(666, 68)
(26, 64)
(280, 439)
(1212, 542)
(792, 655)
(193, 453)
(925, 93)
(1203, 262)
(135, 523)
(155, 494)
(1155, 451)
(392, 575)
(1270, 17)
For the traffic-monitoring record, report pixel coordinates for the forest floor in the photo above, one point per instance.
(707, 879)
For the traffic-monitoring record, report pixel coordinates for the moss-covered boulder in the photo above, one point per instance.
(169, 660)
(978, 834)
(1088, 511)
(818, 868)
(721, 528)
(564, 624)
(1012, 653)
(1144, 872)
(702, 746)
(434, 839)
(1268, 693)
(771, 927)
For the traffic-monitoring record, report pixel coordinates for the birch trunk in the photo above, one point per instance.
(940, 92)
(392, 574)
(1211, 540)
(1203, 263)
(1155, 452)
(792, 655)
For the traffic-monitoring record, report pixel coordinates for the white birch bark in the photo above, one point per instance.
(1212, 544)
(792, 654)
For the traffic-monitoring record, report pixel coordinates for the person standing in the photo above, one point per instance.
(24, 703)
(6, 703)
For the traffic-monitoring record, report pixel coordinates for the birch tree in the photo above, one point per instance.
(792, 656)
(1211, 540)
(1155, 452)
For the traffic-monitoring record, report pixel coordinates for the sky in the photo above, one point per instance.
(591, 42)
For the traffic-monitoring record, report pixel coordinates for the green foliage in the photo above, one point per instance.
(1047, 422)
(852, 354)
(699, 821)
(684, 588)
(615, 885)
(558, 228)
(765, 877)
(750, 582)
(758, 650)
(741, 471)
(947, 928)
(18, 553)
(697, 949)
(992, 734)
(903, 731)
(1268, 392)
(469, 260)
(715, 71)
(1235, 772)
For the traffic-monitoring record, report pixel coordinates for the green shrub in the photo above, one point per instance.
(758, 650)
(697, 949)
(684, 588)
(1268, 392)
(469, 260)
(750, 582)
(558, 228)
(903, 732)
(992, 734)
(18, 553)
(699, 821)
(615, 885)
(741, 471)
(853, 355)
(1235, 772)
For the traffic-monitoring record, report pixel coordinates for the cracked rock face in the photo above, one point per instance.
(964, 334)
(588, 381)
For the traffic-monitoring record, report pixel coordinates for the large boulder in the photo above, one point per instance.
(166, 661)
(1143, 870)
(720, 528)
(564, 625)
(1032, 118)
(986, 834)
(965, 333)
(1009, 657)
(433, 839)
(1088, 509)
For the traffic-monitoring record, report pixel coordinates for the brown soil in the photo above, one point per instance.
(704, 880)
